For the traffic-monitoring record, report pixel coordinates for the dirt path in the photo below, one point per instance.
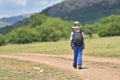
(94, 68)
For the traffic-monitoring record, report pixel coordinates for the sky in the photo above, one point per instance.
(18, 7)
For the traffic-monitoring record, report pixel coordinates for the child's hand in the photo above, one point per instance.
(72, 48)
(83, 47)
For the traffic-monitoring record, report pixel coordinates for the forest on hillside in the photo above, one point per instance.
(40, 28)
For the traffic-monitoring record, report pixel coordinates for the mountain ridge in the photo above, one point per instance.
(2, 24)
(6, 21)
(95, 10)
(68, 8)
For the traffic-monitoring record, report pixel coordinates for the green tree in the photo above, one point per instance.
(42, 29)
(2, 40)
(20, 35)
(35, 20)
(109, 26)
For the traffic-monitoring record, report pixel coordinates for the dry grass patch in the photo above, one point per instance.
(13, 69)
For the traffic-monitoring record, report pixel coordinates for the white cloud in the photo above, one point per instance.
(41, 2)
(20, 2)
(4, 15)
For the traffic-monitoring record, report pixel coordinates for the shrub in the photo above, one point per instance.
(2, 40)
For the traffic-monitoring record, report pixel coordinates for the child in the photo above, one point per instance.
(77, 44)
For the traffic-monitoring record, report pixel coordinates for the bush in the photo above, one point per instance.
(52, 29)
(109, 26)
(20, 35)
(2, 40)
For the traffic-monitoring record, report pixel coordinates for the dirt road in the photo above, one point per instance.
(94, 68)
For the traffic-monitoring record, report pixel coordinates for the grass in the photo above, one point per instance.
(60, 47)
(13, 69)
(103, 47)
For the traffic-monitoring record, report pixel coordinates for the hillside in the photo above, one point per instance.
(12, 20)
(2, 24)
(26, 22)
(86, 11)
(38, 28)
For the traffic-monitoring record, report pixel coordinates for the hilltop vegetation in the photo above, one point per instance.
(86, 11)
(40, 28)
(109, 26)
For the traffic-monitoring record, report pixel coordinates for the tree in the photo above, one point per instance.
(36, 19)
(109, 26)
(20, 35)
(42, 29)
(2, 40)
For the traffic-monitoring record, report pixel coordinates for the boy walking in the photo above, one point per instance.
(77, 44)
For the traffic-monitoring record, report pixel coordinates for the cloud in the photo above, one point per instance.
(41, 2)
(18, 7)
(20, 2)
(4, 15)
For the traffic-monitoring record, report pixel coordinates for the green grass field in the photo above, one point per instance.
(103, 47)
(13, 69)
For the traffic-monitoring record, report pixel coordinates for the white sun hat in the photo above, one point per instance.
(76, 24)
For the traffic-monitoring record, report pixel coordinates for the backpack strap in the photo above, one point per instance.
(80, 31)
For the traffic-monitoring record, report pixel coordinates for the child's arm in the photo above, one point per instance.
(71, 43)
(83, 41)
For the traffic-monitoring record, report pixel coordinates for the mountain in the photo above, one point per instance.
(11, 20)
(86, 11)
(33, 20)
(2, 24)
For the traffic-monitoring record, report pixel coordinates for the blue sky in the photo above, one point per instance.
(17, 7)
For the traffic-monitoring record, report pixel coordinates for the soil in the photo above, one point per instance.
(94, 68)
